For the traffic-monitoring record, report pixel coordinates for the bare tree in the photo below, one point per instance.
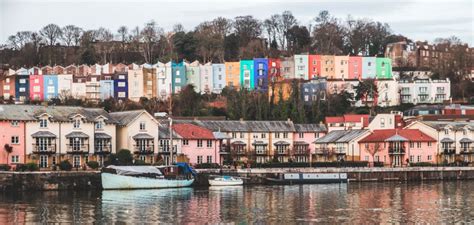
(123, 33)
(373, 149)
(274, 28)
(69, 34)
(151, 33)
(287, 22)
(178, 28)
(52, 33)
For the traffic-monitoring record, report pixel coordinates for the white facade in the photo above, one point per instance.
(206, 77)
(135, 83)
(387, 93)
(425, 91)
(301, 67)
(64, 85)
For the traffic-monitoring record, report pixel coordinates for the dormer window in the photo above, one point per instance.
(464, 132)
(142, 126)
(77, 123)
(43, 123)
(14, 123)
(99, 125)
(446, 131)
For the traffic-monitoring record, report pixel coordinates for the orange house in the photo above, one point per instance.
(232, 74)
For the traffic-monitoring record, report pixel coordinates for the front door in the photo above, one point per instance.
(43, 161)
(76, 161)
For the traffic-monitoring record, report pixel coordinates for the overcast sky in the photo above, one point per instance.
(417, 19)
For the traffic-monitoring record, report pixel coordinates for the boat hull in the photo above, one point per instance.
(114, 181)
(309, 178)
(225, 183)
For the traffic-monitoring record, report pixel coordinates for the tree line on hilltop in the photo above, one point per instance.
(218, 40)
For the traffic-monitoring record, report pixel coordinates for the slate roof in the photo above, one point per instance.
(446, 140)
(164, 132)
(457, 125)
(465, 140)
(57, 113)
(77, 134)
(310, 127)
(43, 134)
(340, 136)
(102, 136)
(408, 134)
(142, 136)
(125, 117)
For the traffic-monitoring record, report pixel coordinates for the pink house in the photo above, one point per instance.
(199, 144)
(355, 67)
(398, 147)
(303, 140)
(36, 87)
(12, 138)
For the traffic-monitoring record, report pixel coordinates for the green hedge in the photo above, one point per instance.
(5, 167)
(27, 167)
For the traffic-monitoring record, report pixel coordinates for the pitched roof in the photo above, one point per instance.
(310, 127)
(408, 134)
(57, 113)
(353, 118)
(242, 126)
(126, 117)
(340, 136)
(457, 125)
(164, 132)
(191, 131)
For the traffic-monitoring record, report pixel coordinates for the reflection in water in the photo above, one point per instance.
(447, 202)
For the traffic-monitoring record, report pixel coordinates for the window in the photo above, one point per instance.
(14, 123)
(430, 158)
(382, 122)
(209, 143)
(418, 144)
(234, 135)
(316, 135)
(377, 158)
(242, 135)
(142, 126)
(76, 161)
(121, 95)
(121, 84)
(36, 88)
(412, 158)
(264, 135)
(199, 159)
(301, 135)
(22, 89)
(366, 158)
(77, 123)
(36, 81)
(412, 144)
(43, 161)
(209, 159)
(185, 142)
(43, 123)
(22, 81)
(99, 125)
(199, 144)
(15, 140)
(255, 136)
(285, 135)
(15, 159)
(177, 80)
(418, 158)
(277, 135)
(446, 131)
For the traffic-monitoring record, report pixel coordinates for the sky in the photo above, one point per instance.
(416, 19)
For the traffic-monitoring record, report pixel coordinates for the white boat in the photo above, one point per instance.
(140, 177)
(225, 181)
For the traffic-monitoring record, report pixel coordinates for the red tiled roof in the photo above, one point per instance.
(191, 131)
(334, 119)
(357, 118)
(410, 134)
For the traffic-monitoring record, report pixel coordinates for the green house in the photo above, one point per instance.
(247, 74)
(384, 68)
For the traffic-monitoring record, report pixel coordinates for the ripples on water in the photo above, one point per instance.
(355, 203)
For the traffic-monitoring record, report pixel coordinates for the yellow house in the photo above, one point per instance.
(137, 131)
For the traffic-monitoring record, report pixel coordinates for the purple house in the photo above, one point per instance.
(121, 86)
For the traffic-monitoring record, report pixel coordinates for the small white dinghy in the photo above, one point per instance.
(225, 181)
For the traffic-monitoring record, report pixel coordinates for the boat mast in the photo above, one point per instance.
(170, 113)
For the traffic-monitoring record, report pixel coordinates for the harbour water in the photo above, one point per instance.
(354, 203)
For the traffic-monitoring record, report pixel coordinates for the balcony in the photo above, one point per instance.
(467, 150)
(449, 150)
(239, 151)
(143, 149)
(396, 150)
(323, 151)
(44, 149)
(299, 152)
(282, 152)
(77, 149)
(340, 151)
(103, 149)
(260, 152)
(224, 150)
(165, 149)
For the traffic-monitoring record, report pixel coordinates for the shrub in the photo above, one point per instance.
(314, 164)
(139, 162)
(27, 167)
(421, 164)
(65, 165)
(124, 157)
(5, 167)
(93, 164)
(378, 164)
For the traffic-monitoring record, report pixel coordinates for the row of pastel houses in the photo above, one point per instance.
(48, 135)
(317, 76)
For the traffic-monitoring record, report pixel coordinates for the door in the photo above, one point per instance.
(43, 161)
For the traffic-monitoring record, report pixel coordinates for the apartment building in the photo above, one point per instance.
(421, 91)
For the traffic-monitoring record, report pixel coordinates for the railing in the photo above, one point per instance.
(44, 149)
(224, 149)
(103, 149)
(77, 149)
(237, 151)
(166, 149)
(467, 150)
(282, 152)
(260, 152)
(449, 150)
(396, 150)
(143, 149)
(323, 151)
(301, 151)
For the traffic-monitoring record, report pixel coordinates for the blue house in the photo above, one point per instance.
(50, 87)
(178, 74)
(106, 86)
(260, 74)
(120, 87)
(22, 87)
(313, 90)
(218, 77)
